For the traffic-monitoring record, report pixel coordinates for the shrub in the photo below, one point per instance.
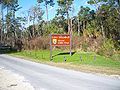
(107, 48)
(37, 43)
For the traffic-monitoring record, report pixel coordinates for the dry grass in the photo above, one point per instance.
(87, 68)
(36, 43)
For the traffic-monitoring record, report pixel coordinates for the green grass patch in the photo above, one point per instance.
(78, 58)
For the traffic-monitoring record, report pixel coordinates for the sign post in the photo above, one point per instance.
(60, 40)
(50, 47)
(70, 44)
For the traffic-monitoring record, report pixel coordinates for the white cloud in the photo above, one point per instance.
(86, 4)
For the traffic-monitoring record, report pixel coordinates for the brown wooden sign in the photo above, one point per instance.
(60, 39)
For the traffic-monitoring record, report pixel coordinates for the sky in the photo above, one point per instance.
(27, 4)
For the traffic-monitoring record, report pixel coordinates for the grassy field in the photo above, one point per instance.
(79, 60)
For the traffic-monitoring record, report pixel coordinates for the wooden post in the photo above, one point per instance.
(70, 44)
(50, 47)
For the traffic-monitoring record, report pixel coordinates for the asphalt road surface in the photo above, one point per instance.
(45, 77)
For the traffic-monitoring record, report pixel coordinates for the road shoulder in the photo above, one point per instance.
(12, 81)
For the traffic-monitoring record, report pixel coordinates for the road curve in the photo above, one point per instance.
(45, 77)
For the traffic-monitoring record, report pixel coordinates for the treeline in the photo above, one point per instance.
(88, 25)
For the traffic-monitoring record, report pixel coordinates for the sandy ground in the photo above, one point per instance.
(12, 81)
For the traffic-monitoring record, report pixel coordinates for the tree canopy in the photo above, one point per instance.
(104, 21)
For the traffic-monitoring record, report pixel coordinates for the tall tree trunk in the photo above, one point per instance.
(1, 26)
(1, 32)
(29, 34)
(47, 13)
(82, 25)
(7, 26)
(78, 27)
(102, 29)
(71, 24)
(68, 17)
(85, 24)
(15, 34)
(33, 25)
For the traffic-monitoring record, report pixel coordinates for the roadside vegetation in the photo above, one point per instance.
(82, 61)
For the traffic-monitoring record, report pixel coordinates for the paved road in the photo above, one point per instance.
(45, 77)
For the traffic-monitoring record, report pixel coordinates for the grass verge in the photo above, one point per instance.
(81, 61)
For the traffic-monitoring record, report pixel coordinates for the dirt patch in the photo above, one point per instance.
(12, 81)
(88, 68)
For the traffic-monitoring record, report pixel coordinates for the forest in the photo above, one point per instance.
(95, 30)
